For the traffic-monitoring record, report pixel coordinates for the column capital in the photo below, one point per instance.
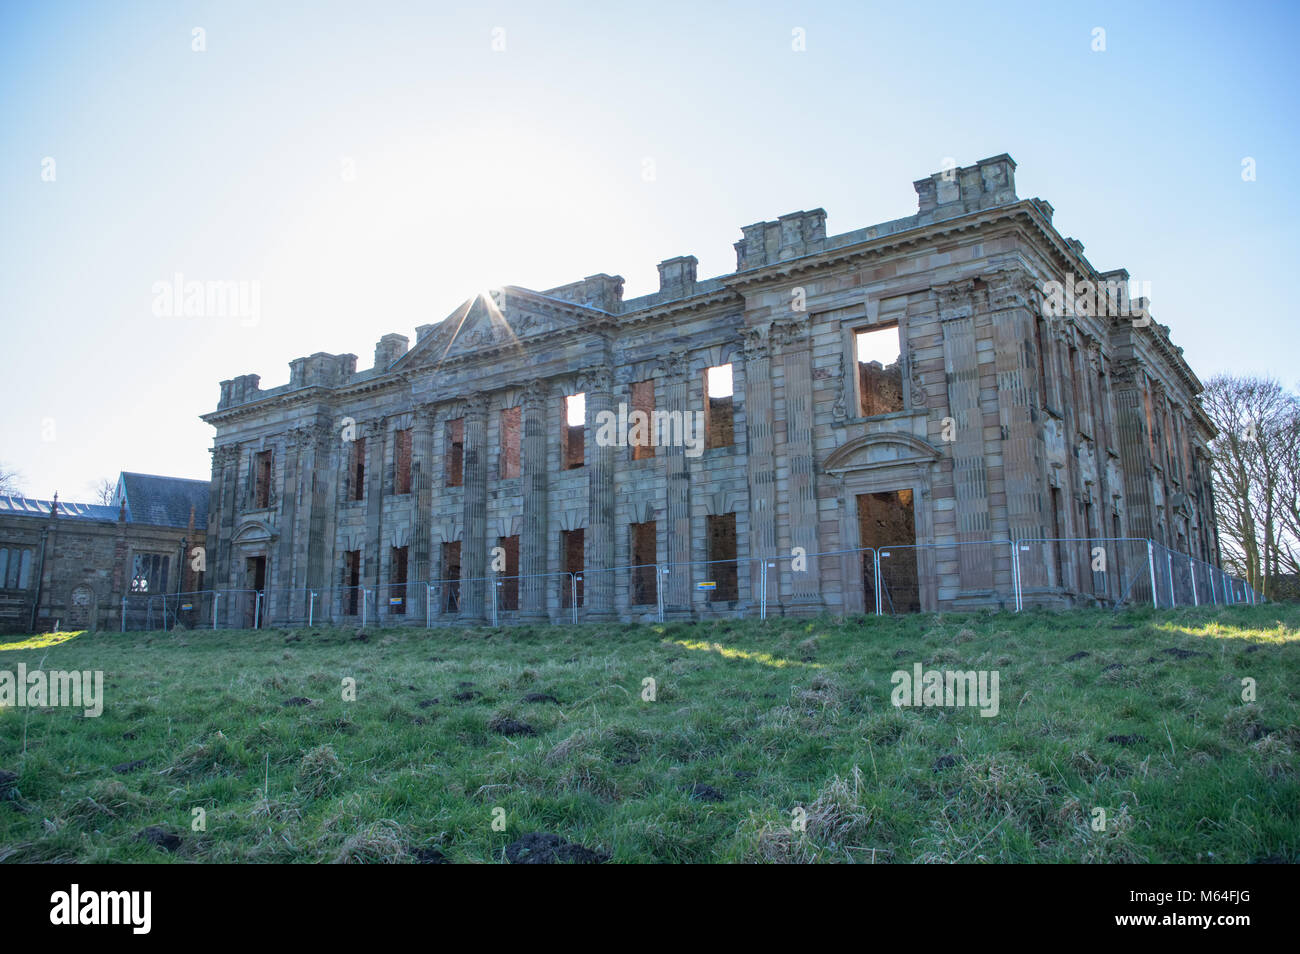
(956, 300)
(596, 379)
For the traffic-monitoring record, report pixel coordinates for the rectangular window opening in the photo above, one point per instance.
(455, 452)
(351, 582)
(262, 484)
(643, 400)
(879, 355)
(719, 411)
(721, 529)
(575, 430)
(644, 580)
(402, 461)
(357, 470)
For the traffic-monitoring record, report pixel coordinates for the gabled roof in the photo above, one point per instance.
(163, 501)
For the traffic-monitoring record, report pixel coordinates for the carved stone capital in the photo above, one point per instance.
(1010, 288)
(754, 345)
(791, 332)
(595, 380)
(955, 299)
(536, 394)
(674, 364)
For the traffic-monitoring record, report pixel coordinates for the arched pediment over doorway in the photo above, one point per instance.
(875, 451)
(253, 532)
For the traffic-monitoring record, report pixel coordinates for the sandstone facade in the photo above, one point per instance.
(994, 418)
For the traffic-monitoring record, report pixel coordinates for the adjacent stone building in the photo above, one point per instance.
(72, 564)
(898, 384)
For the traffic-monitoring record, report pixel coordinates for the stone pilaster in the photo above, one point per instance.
(970, 472)
(286, 601)
(422, 479)
(761, 462)
(598, 592)
(534, 482)
(320, 556)
(473, 551)
(795, 342)
(674, 371)
(1010, 295)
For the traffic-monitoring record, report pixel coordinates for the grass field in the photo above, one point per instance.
(752, 724)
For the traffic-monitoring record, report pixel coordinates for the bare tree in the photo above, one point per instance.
(103, 490)
(1256, 474)
(9, 480)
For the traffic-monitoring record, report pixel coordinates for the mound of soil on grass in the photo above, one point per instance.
(159, 838)
(296, 701)
(7, 780)
(128, 766)
(540, 848)
(504, 725)
(1113, 667)
(425, 703)
(706, 793)
(1180, 653)
(944, 762)
(429, 855)
(541, 697)
(1082, 654)
(467, 695)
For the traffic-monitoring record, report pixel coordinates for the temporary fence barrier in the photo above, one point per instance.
(885, 580)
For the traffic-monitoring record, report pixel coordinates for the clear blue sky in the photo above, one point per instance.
(475, 167)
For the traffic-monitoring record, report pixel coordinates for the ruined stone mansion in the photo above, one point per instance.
(895, 384)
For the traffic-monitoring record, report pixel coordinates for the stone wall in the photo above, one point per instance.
(1012, 422)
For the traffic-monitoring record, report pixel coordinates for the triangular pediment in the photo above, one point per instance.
(503, 318)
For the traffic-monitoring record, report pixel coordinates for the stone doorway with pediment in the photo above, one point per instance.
(884, 484)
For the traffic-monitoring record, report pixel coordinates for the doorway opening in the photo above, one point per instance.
(255, 567)
(887, 523)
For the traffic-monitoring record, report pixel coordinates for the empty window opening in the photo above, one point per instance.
(880, 371)
(644, 581)
(643, 400)
(262, 481)
(149, 573)
(397, 581)
(511, 419)
(887, 523)
(455, 452)
(571, 542)
(451, 576)
(508, 591)
(357, 470)
(719, 411)
(722, 557)
(575, 430)
(351, 582)
(402, 461)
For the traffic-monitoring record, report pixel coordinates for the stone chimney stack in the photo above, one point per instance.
(677, 276)
(791, 236)
(958, 190)
(389, 349)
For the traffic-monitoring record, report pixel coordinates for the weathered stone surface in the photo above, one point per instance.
(1007, 422)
